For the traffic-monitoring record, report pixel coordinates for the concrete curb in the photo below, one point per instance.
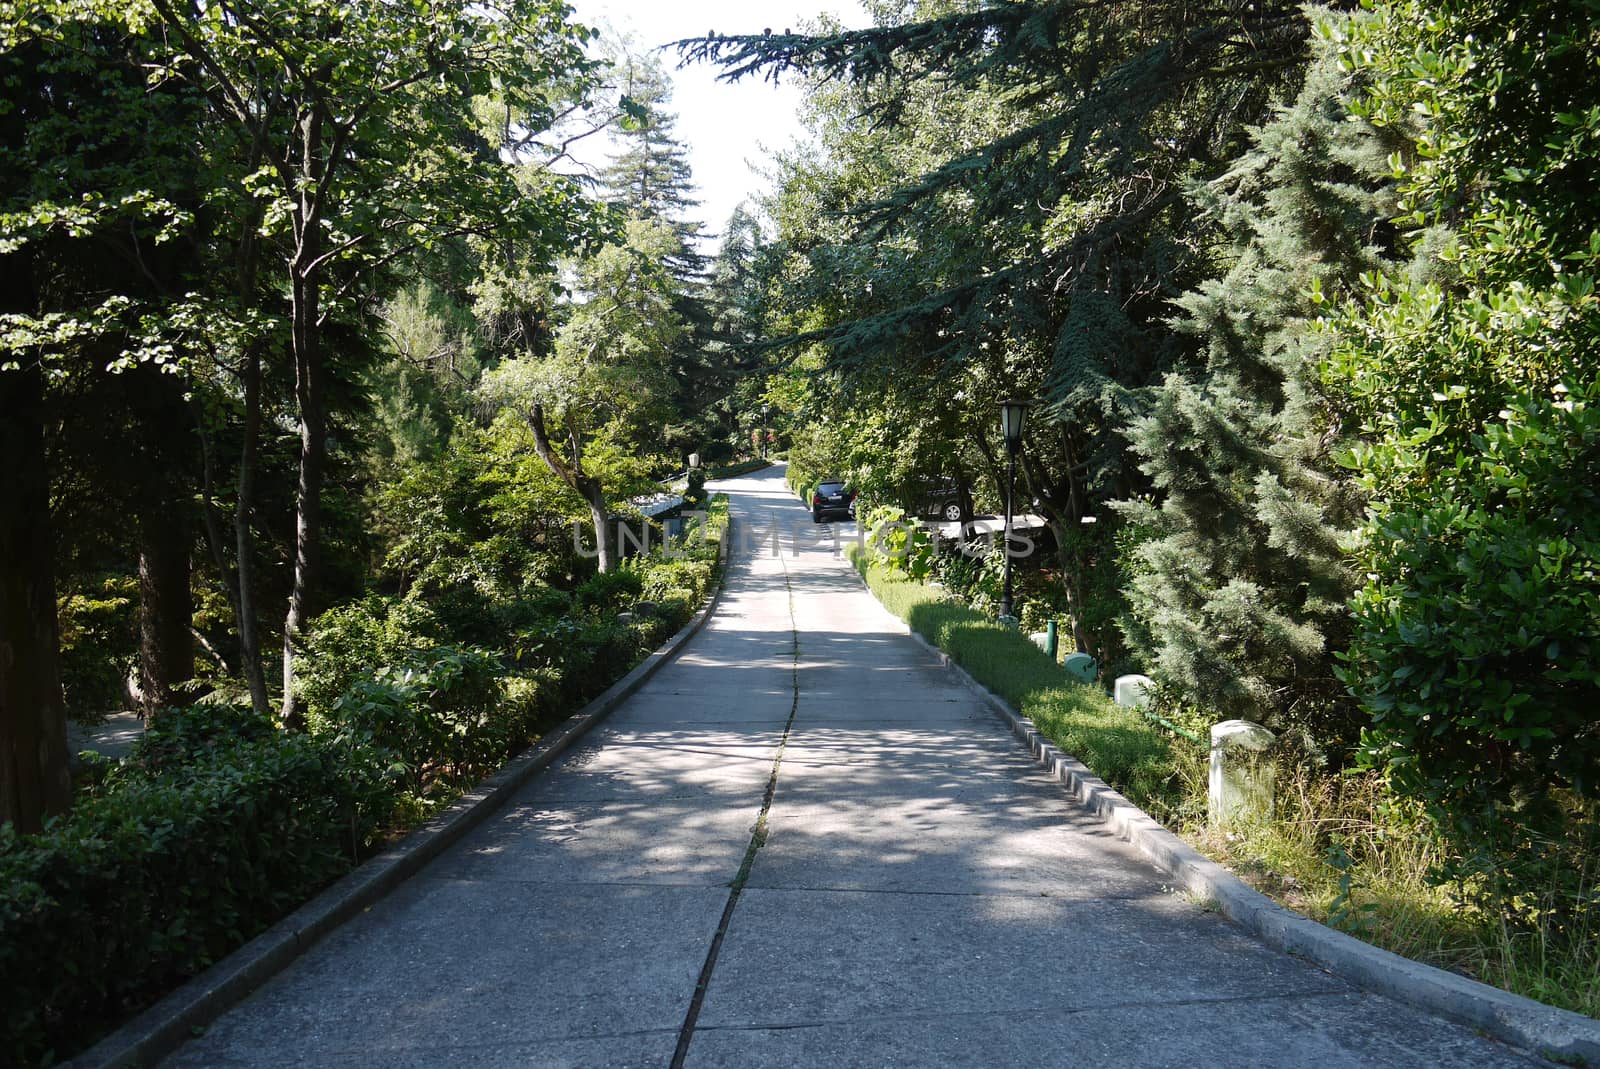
(162, 1028)
(1559, 1035)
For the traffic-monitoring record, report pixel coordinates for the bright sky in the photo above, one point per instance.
(728, 128)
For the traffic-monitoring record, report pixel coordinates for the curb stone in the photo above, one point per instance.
(1556, 1034)
(162, 1028)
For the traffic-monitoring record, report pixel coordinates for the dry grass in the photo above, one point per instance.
(1343, 852)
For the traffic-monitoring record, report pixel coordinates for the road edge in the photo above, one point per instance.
(177, 1017)
(1558, 1035)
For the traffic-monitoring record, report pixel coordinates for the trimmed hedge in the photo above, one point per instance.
(744, 467)
(220, 823)
(191, 848)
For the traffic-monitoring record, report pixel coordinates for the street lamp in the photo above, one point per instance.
(764, 432)
(1013, 415)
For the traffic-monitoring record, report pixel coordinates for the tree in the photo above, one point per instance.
(1470, 375)
(603, 377)
(1240, 589)
(89, 226)
(360, 116)
(1001, 201)
(650, 176)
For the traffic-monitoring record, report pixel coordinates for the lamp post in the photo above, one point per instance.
(1013, 414)
(764, 410)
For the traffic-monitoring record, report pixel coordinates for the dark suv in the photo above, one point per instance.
(832, 498)
(948, 499)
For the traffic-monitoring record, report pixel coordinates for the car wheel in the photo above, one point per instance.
(952, 512)
(816, 517)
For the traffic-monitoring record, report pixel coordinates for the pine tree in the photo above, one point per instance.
(650, 177)
(1239, 600)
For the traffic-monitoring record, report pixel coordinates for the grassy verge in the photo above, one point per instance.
(1121, 747)
(1341, 850)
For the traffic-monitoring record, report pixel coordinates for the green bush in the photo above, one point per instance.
(608, 592)
(347, 643)
(166, 867)
(437, 718)
(99, 644)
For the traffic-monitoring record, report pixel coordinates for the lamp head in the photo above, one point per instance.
(1013, 416)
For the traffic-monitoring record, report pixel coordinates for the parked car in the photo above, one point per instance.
(945, 498)
(831, 497)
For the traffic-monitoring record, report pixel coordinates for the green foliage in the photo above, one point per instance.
(352, 640)
(901, 544)
(209, 835)
(99, 644)
(694, 494)
(1471, 377)
(437, 718)
(1239, 573)
(485, 520)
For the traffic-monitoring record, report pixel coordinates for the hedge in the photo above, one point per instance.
(220, 823)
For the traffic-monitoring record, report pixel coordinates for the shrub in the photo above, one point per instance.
(436, 718)
(608, 592)
(347, 643)
(166, 867)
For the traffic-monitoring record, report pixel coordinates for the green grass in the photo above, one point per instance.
(1117, 744)
(1383, 893)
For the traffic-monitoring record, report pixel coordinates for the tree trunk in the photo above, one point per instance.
(570, 471)
(166, 608)
(309, 390)
(165, 517)
(35, 781)
(605, 538)
(244, 540)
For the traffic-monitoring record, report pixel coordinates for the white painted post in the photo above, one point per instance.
(1241, 778)
(1132, 690)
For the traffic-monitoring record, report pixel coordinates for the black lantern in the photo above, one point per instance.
(1013, 416)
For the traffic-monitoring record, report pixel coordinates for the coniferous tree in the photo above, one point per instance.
(1240, 590)
(1000, 211)
(650, 176)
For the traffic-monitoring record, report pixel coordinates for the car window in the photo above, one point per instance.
(829, 488)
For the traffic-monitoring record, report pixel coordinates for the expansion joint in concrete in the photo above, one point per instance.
(758, 839)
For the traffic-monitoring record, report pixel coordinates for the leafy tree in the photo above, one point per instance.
(90, 217)
(367, 152)
(1471, 376)
(1239, 600)
(999, 209)
(603, 378)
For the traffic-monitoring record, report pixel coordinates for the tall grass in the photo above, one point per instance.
(1342, 850)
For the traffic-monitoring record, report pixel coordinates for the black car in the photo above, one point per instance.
(832, 498)
(946, 499)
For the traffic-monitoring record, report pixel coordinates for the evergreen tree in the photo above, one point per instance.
(1000, 211)
(1239, 594)
(650, 176)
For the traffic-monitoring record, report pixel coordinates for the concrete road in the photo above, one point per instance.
(803, 843)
